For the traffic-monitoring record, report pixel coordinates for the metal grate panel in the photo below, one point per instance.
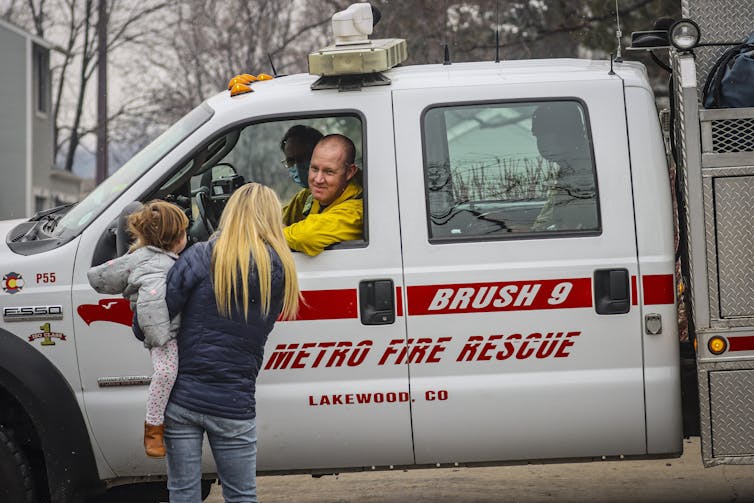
(735, 240)
(730, 136)
(727, 137)
(732, 412)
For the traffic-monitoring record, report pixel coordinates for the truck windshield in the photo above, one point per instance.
(108, 191)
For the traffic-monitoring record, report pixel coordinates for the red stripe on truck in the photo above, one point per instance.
(483, 297)
(744, 343)
(328, 305)
(658, 289)
(499, 296)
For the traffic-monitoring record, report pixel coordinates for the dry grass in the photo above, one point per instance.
(506, 180)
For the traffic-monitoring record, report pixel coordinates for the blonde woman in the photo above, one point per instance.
(229, 292)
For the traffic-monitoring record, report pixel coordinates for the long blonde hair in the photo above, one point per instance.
(251, 221)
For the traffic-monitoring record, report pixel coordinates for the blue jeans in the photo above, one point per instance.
(234, 447)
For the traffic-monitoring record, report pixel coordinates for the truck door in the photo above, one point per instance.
(323, 399)
(519, 249)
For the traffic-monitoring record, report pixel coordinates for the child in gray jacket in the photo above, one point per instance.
(140, 275)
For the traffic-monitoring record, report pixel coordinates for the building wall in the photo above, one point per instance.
(13, 125)
(41, 119)
(28, 180)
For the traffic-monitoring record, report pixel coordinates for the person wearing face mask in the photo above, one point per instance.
(297, 146)
(336, 213)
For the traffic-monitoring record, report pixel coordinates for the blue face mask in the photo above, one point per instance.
(299, 173)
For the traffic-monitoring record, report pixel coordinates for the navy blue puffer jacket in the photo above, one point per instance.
(219, 357)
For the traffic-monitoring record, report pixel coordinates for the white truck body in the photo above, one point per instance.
(492, 347)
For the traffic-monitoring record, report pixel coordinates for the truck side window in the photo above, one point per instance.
(495, 171)
(277, 153)
(253, 152)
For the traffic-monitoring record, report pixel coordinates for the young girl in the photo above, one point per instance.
(140, 275)
(229, 291)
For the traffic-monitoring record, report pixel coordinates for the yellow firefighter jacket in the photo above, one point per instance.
(342, 220)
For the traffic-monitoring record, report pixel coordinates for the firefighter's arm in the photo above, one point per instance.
(318, 231)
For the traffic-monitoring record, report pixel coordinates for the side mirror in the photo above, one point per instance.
(683, 34)
(649, 40)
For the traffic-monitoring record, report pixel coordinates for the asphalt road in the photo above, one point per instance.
(680, 480)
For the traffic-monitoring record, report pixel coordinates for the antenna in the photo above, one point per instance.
(497, 31)
(446, 47)
(618, 34)
(274, 72)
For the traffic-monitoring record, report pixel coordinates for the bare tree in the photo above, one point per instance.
(532, 29)
(8, 8)
(211, 40)
(71, 26)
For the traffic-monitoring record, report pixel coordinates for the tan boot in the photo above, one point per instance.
(153, 440)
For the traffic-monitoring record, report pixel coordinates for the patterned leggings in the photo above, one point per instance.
(165, 363)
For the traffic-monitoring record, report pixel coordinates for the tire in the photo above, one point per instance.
(16, 483)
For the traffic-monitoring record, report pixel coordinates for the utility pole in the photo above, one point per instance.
(101, 91)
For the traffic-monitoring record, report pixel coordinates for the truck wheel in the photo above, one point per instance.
(16, 484)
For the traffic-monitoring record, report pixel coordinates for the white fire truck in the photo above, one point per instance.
(513, 299)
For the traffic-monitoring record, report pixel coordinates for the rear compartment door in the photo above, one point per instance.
(523, 340)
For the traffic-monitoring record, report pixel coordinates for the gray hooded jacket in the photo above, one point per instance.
(140, 276)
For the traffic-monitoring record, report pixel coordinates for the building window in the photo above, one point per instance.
(42, 78)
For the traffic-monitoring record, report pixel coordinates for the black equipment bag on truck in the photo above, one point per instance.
(730, 83)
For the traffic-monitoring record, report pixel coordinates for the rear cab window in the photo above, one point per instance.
(509, 170)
